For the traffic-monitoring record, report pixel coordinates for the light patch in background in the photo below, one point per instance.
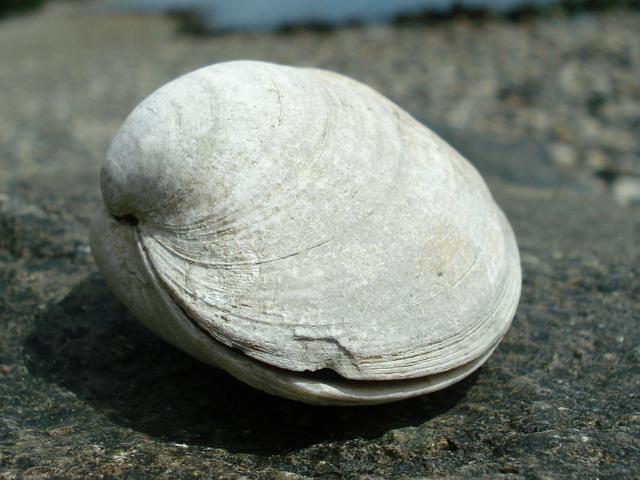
(274, 14)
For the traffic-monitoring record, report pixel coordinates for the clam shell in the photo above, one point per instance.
(304, 233)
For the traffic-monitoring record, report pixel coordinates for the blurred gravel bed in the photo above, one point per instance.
(69, 77)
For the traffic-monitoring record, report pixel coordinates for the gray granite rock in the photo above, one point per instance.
(86, 391)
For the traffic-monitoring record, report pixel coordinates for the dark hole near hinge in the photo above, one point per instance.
(127, 220)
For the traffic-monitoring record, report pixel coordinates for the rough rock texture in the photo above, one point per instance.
(85, 390)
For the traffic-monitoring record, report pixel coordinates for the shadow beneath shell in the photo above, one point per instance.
(89, 344)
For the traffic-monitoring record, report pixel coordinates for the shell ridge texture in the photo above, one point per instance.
(292, 221)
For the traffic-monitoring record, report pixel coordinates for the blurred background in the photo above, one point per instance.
(560, 78)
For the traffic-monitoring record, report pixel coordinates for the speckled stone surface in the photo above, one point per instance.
(86, 391)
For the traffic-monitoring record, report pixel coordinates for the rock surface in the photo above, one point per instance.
(86, 391)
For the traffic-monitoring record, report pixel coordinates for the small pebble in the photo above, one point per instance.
(626, 190)
(564, 155)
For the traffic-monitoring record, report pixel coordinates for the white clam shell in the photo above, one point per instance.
(305, 234)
